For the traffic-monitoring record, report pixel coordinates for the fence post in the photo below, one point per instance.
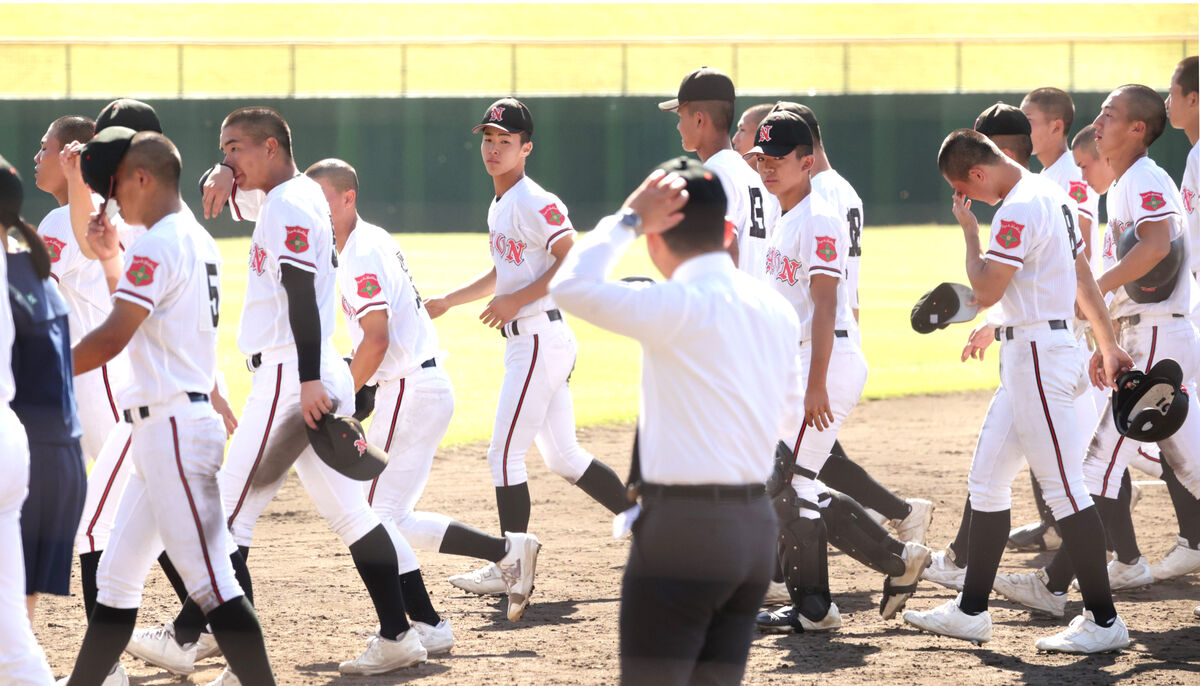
(179, 67)
(292, 70)
(67, 50)
(958, 69)
(624, 69)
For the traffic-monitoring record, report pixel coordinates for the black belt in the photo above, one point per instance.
(144, 411)
(431, 362)
(837, 333)
(1055, 325)
(553, 315)
(1135, 319)
(714, 492)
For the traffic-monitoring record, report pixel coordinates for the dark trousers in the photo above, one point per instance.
(697, 572)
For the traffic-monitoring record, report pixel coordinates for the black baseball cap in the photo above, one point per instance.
(342, 444)
(99, 158)
(705, 83)
(779, 134)
(942, 306)
(705, 208)
(509, 115)
(11, 195)
(1002, 120)
(132, 114)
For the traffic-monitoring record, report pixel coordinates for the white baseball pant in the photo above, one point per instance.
(22, 662)
(1032, 418)
(106, 483)
(411, 417)
(1151, 340)
(535, 404)
(171, 501)
(1088, 407)
(97, 409)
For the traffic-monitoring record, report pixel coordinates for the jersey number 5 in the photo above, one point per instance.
(758, 223)
(1070, 228)
(214, 291)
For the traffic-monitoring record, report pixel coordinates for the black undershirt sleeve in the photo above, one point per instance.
(304, 318)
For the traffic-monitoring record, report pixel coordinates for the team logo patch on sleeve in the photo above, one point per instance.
(827, 248)
(297, 238)
(1010, 234)
(141, 271)
(54, 247)
(368, 285)
(1152, 200)
(553, 215)
(1078, 191)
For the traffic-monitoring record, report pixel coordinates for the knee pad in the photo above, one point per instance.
(853, 532)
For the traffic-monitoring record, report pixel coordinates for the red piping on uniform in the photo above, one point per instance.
(1160, 215)
(112, 404)
(1146, 455)
(377, 302)
(261, 448)
(825, 269)
(104, 496)
(1112, 461)
(233, 203)
(1037, 373)
(195, 516)
(387, 446)
(1007, 257)
(139, 297)
(796, 449)
(512, 427)
(556, 234)
(292, 259)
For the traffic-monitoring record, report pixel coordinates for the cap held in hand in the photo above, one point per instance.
(341, 442)
(99, 159)
(943, 306)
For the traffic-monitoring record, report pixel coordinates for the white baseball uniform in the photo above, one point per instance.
(1188, 191)
(1032, 414)
(1149, 332)
(811, 239)
(1068, 176)
(293, 228)
(838, 192)
(535, 400)
(748, 205)
(22, 662)
(172, 499)
(415, 399)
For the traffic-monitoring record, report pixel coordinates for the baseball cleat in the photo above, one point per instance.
(943, 571)
(1179, 560)
(1084, 635)
(947, 620)
(383, 655)
(1122, 576)
(1030, 590)
(517, 568)
(913, 527)
(157, 646)
(207, 647)
(435, 639)
(227, 678)
(897, 590)
(116, 677)
(483, 581)
(1037, 536)
(777, 594)
(787, 620)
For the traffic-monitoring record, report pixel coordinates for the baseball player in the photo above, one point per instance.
(1033, 269)
(165, 311)
(529, 233)
(22, 662)
(705, 107)
(747, 129)
(396, 348)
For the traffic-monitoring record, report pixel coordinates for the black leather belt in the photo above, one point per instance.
(1135, 319)
(144, 411)
(1007, 331)
(837, 333)
(713, 492)
(431, 362)
(552, 315)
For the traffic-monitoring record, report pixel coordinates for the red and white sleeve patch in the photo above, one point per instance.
(827, 248)
(553, 215)
(1078, 191)
(1010, 234)
(54, 247)
(1152, 200)
(141, 271)
(297, 239)
(368, 285)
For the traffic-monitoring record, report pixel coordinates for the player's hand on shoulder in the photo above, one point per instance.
(962, 212)
(817, 411)
(500, 309)
(979, 340)
(436, 307)
(217, 189)
(659, 201)
(102, 237)
(314, 402)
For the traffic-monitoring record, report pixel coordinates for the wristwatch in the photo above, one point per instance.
(630, 220)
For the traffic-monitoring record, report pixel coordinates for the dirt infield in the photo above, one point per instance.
(314, 611)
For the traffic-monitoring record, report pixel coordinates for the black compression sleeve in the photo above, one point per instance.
(301, 291)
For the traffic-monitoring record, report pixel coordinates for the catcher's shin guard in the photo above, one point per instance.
(853, 532)
(804, 554)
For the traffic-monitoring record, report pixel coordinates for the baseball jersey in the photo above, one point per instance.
(1034, 230)
(1187, 192)
(1145, 193)
(834, 188)
(746, 207)
(373, 276)
(293, 228)
(809, 239)
(8, 387)
(1069, 177)
(81, 280)
(523, 224)
(174, 271)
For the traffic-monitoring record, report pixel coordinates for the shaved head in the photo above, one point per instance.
(156, 155)
(1144, 104)
(73, 127)
(964, 149)
(337, 173)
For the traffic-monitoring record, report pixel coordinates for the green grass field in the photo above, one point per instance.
(899, 264)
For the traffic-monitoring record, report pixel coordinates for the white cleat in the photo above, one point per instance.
(1030, 590)
(227, 678)
(157, 646)
(947, 620)
(913, 527)
(897, 590)
(1084, 635)
(517, 567)
(116, 677)
(777, 594)
(943, 571)
(1122, 576)
(787, 620)
(383, 655)
(435, 639)
(1180, 560)
(207, 647)
(483, 581)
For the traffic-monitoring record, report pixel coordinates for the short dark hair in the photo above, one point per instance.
(73, 127)
(262, 123)
(805, 113)
(1186, 75)
(337, 172)
(1086, 140)
(1055, 103)
(1020, 144)
(964, 149)
(1147, 106)
(719, 111)
(756, 113)
(703, 226)
(157, 155)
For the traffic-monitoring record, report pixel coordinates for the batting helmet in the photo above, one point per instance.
(1150, 406)
(1157, 284)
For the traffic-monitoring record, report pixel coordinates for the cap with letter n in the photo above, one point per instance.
(705, 83)
(1002, 120)
(779, 134)
(342, 444)
(508, 115)
(130, 113)
(942, 306)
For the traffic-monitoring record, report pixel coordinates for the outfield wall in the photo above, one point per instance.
(420, 169)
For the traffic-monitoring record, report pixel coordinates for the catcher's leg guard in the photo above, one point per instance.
(853, 532)
(804, 553)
